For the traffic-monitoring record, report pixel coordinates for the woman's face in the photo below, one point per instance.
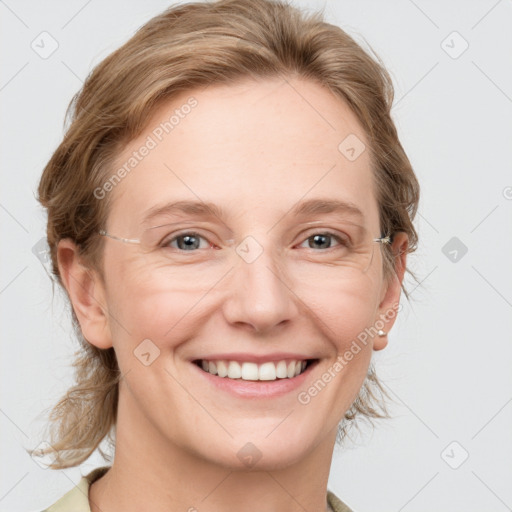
(255, 281)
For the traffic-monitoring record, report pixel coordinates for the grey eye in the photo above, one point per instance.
(188, 242)
(322, 241)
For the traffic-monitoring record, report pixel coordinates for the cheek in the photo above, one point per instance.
(144, 304)
(156, 303)
(144, 309)
(343, 310)
(347, 314)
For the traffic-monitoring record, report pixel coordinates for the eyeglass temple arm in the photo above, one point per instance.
(127, 240)
(383, 239)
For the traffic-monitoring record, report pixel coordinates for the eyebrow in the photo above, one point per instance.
(209, 210)
(192, 208)
(316, 206)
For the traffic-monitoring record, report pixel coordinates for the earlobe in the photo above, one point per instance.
(381, 341)
(390, 299)
(86, 293)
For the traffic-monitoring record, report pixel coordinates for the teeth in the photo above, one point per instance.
(267, 371)
(234, 370)
(249, 371)
(222, 369)
(253, 371)
(281, 370)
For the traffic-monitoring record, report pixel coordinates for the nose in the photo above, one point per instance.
(261, 297)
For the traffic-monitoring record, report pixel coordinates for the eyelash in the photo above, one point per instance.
(341, 240)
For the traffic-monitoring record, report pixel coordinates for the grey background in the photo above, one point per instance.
(448, 362)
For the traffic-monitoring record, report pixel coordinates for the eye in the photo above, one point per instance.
(188, 241)
(323, 241)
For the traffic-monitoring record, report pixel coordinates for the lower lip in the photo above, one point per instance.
(257, 389)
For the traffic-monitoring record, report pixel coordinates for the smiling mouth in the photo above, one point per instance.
(269, 371)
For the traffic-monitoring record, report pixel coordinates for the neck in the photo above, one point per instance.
(154, 473)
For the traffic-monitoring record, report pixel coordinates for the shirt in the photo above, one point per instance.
(77, 499)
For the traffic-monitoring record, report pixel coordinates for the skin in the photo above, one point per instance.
(255, 148)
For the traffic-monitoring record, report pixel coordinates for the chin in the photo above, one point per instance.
(257, 452)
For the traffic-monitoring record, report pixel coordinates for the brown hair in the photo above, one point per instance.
(186, 46)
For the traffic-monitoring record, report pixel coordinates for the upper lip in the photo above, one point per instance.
(254, 358)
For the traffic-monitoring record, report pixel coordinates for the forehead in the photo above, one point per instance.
(255, 148)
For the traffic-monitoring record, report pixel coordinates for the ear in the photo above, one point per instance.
(87, 294)
(390, 295)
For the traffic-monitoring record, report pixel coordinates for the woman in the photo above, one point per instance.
(229, 214)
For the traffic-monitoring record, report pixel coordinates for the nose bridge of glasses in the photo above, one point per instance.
(259, 266)
(252, 247)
